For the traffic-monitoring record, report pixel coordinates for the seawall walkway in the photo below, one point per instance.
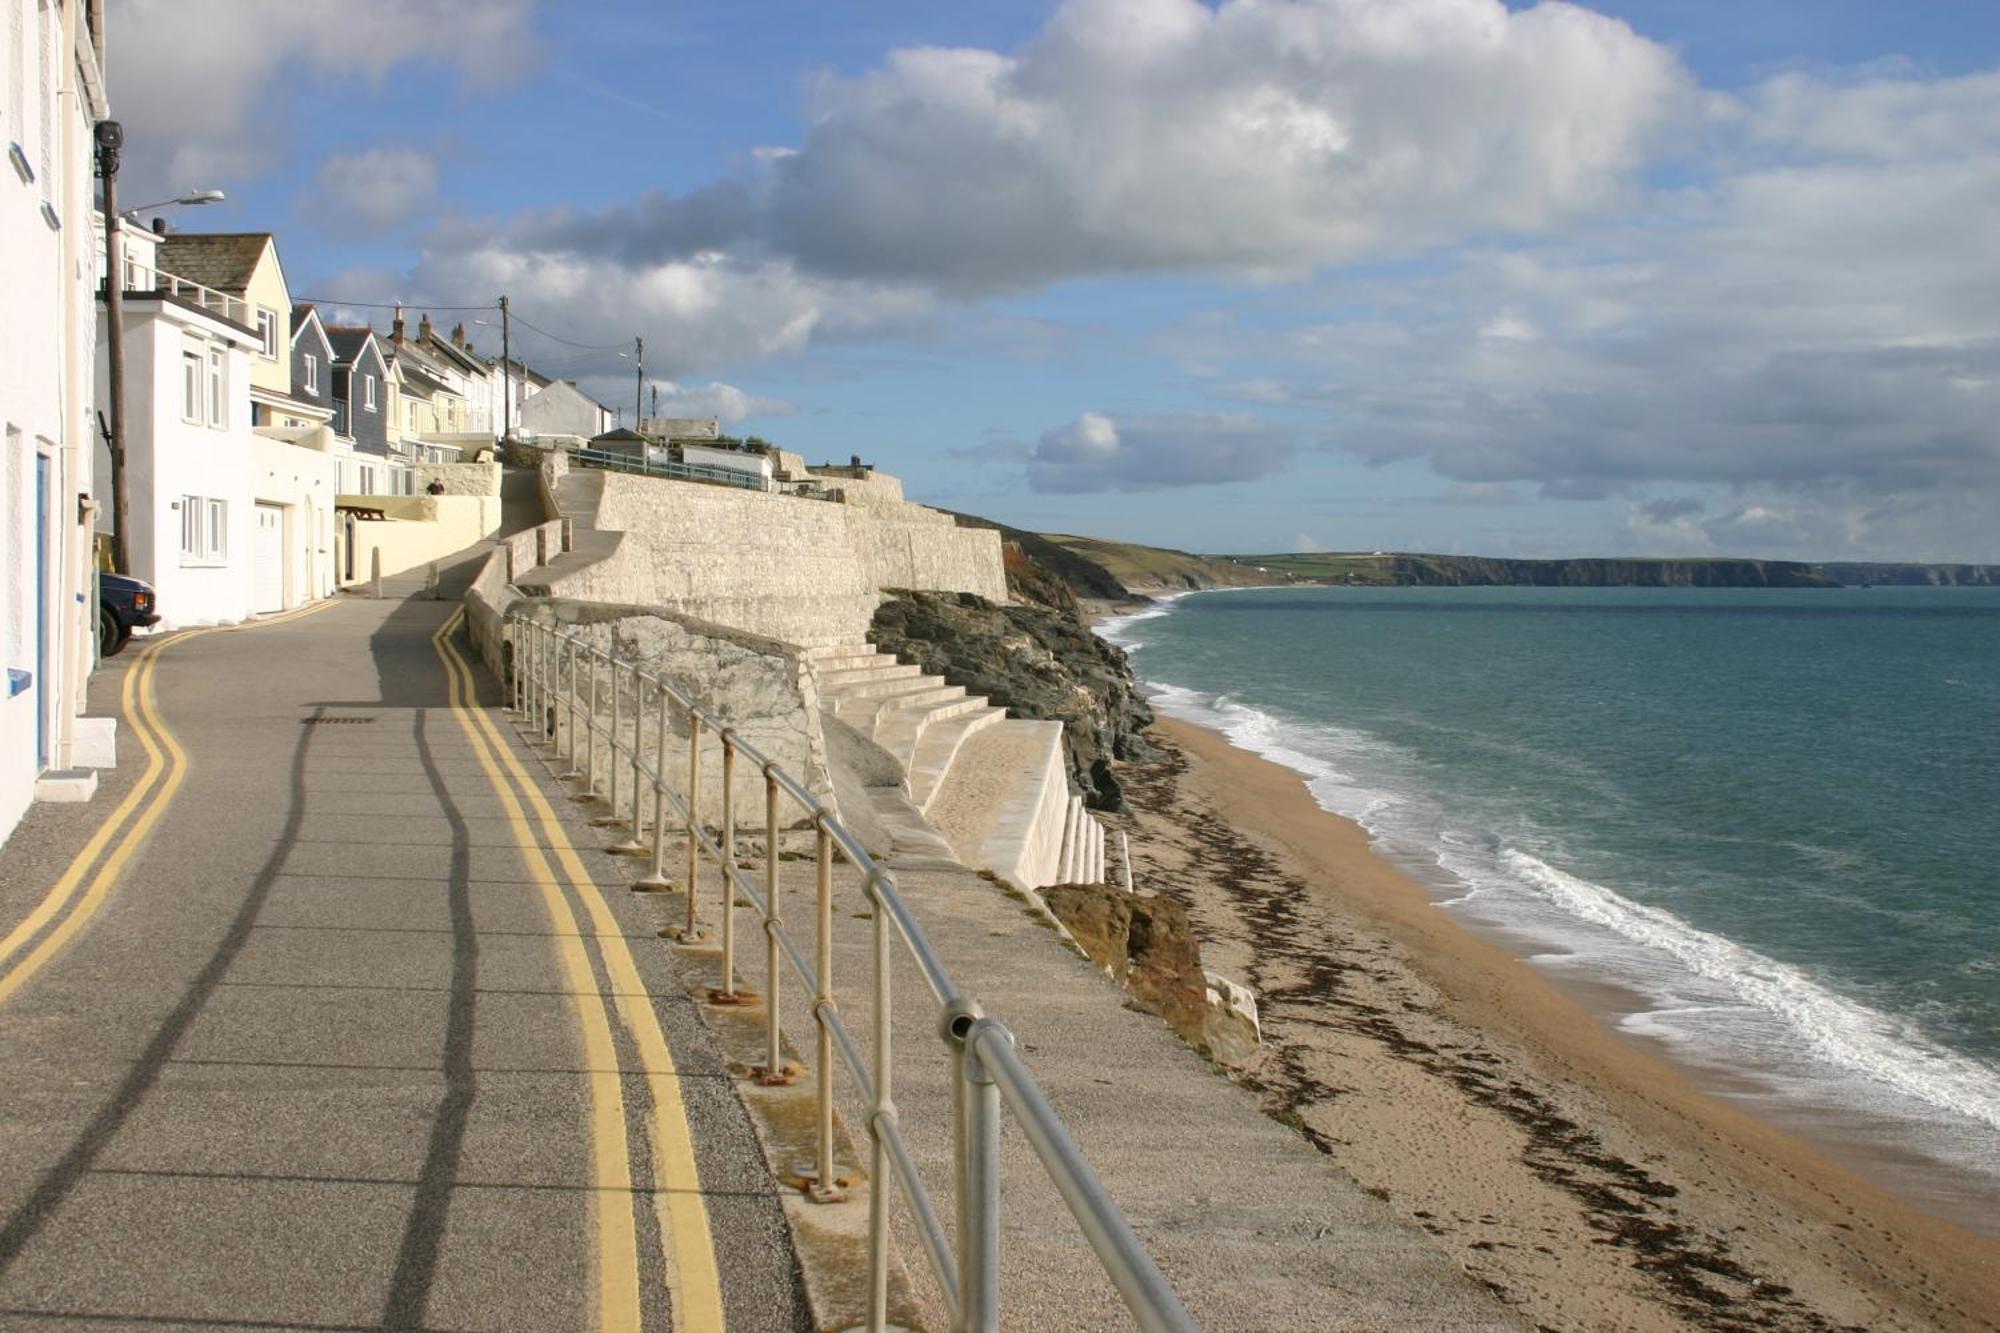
(320, 1022)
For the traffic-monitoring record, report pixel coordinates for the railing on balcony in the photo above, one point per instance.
(142, 277)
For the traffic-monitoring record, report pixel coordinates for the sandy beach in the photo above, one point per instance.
(1589, 1183)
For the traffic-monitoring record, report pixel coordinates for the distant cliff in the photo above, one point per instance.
(1148, 569)
(1869, 575)
(1492, 571)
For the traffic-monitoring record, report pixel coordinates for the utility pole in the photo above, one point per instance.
(506, 375)
(110, 136)
(656, 400)
(639, 390)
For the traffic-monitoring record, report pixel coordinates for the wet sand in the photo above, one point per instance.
(1591, 1184)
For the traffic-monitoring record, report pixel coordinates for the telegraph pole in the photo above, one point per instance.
(110, 138)
(639, 390)
(506, 375)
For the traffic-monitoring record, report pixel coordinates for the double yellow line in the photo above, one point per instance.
(687, 1247)
(120, 836)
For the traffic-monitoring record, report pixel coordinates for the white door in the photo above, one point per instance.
(268, 590)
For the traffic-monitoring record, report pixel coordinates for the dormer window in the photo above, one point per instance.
(312, 373)
(368, 392)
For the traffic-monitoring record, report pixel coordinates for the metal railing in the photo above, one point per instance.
(647, 466)
(598, 714)
(140, 277)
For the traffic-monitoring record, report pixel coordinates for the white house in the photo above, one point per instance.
(563, 409)
(225, 522)
(52, 74)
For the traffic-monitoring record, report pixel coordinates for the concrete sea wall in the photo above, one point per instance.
(803, 571)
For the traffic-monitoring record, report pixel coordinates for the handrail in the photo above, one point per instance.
(647, 466)
(573, 697)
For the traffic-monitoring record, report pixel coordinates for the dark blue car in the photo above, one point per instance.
(123, 604)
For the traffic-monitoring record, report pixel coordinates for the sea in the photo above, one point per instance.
(1767, 822)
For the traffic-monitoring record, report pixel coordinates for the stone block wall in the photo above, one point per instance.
(763, 690)
(458, 478)
(803, 571)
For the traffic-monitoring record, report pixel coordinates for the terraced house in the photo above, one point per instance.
(52, 74)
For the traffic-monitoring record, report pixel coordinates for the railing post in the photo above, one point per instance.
(883, 1110)
(638, 744)
(610, 819)
(590, 729)
(569, 696)
(630, 844)
(825, 1189)
(726, 865)
(656, 878)
(693, 816)
(977, 1103)
(774, 918)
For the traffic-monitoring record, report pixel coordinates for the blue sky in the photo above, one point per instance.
(1675, 277)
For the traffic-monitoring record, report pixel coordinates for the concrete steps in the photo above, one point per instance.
(1038, 833)
(931, 756)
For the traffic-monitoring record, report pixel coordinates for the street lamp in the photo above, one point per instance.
(192, 199)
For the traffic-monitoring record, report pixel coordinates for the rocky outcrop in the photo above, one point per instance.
(1034, 661)
(1148, 946)
(1145, 943)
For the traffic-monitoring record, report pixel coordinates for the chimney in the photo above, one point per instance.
(396, 328)
(458, 335)
(424, 328)
(159, 226)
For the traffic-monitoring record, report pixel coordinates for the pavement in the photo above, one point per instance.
(321, 1016)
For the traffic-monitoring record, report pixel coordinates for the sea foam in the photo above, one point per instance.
(1718, 1002)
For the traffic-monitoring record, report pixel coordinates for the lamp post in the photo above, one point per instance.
(110, 136)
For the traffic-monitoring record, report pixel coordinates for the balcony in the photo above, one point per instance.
(142, 278)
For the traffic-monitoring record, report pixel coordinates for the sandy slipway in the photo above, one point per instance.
(1587, 1184)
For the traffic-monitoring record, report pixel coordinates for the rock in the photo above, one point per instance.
(1145, 943)
(1230, 1029)
(1036, 662)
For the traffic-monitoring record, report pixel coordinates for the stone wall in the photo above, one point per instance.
(762, 690)
(458, 478)
(803, 571)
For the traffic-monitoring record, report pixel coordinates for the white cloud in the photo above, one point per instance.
(724, 402)
(1098, 452)
(201, 84)
(375, 190)
(1137, 135)
(1810, 335)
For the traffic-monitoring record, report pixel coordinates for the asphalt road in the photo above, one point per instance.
(344, 1040)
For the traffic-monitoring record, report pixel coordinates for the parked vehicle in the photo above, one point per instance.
(123, 605)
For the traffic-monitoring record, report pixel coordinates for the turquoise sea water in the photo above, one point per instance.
(1775, 816)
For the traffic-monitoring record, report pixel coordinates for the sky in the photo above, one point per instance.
(1653, 277)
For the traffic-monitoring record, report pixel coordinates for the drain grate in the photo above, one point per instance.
(331, 721)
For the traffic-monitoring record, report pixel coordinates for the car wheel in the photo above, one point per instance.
(111, 636)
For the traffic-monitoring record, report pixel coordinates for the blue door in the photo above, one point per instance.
(41, 610)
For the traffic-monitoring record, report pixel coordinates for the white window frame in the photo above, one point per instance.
(194, 374)
(368, 392)
(204, 531)
(218, 388)
(267, 332)
(312, 373)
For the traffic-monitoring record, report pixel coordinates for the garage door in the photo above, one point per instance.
(268, 594)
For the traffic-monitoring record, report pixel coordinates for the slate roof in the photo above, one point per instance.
(222, 260)
(347, 342)
(419, 385)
